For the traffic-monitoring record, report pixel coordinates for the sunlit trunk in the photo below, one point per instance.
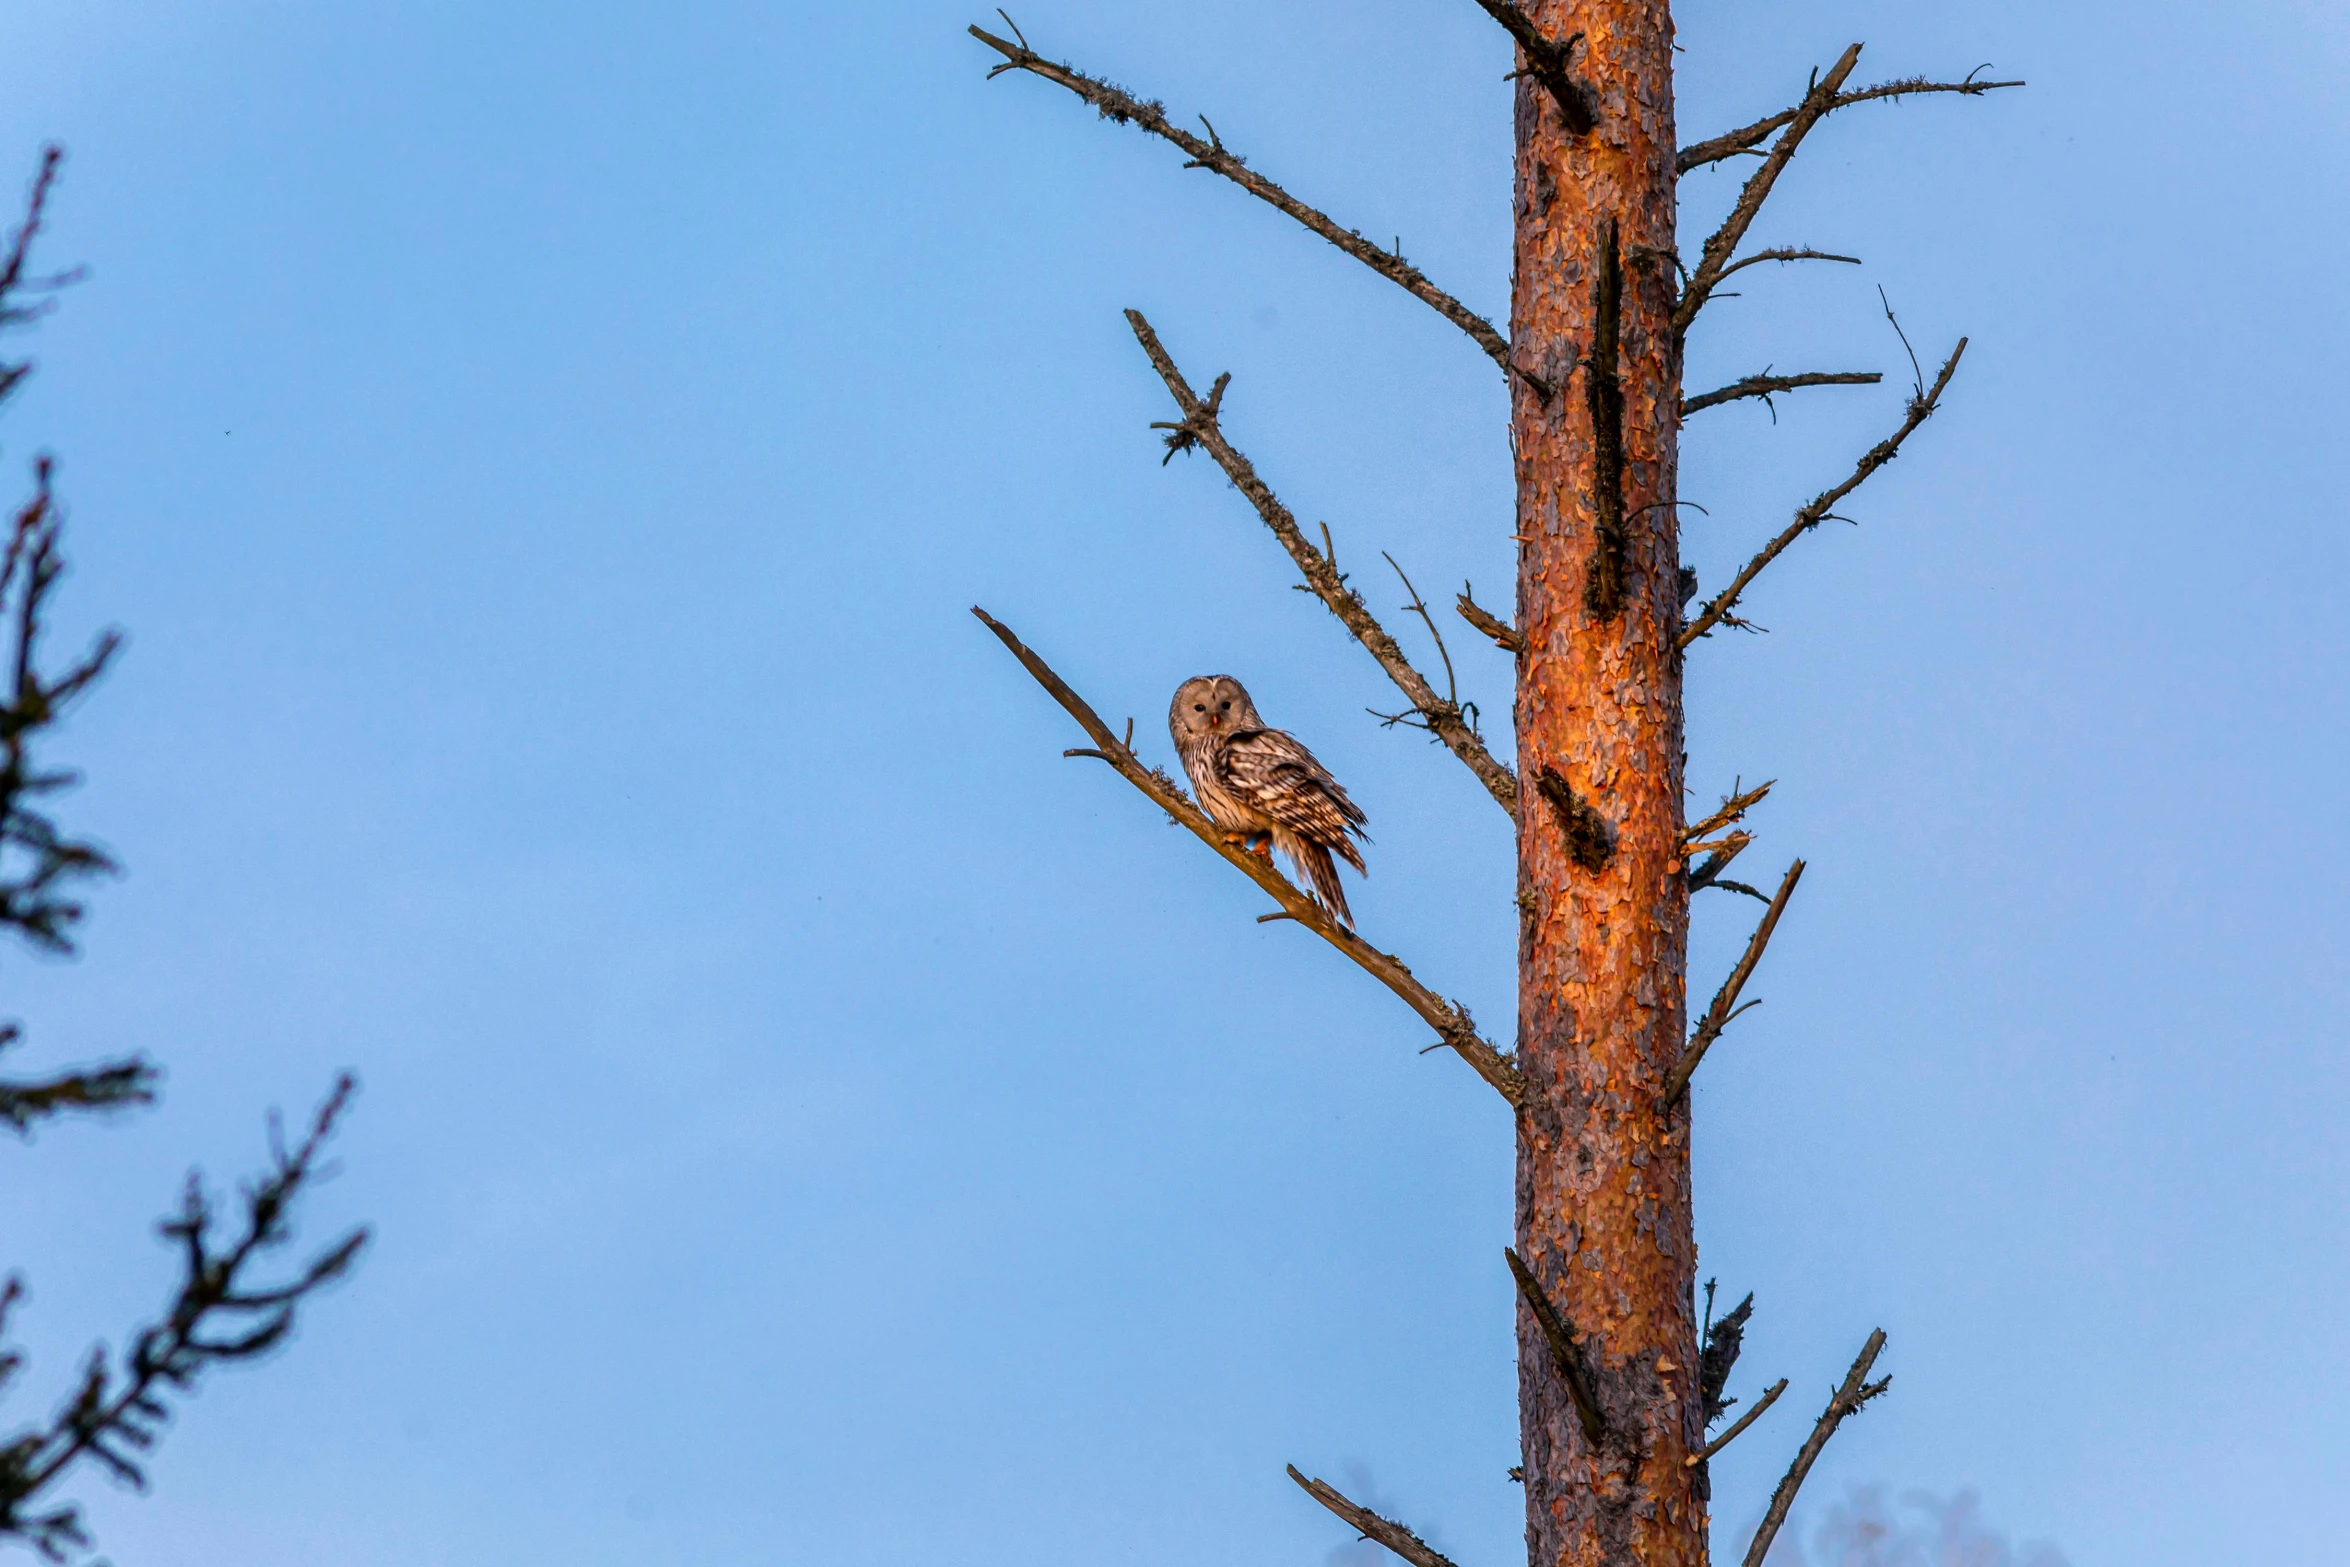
(1603, 1209)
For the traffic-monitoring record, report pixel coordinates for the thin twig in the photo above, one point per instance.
(1452, 690)
(1714, 261)
(1116, 104)
(1765, 385)
(1547, 63)
(1725, 1007)
(1371, 1526)
(1563, 1351)
(13, 281)
(1452, 1022)
(1790, 253)
(1849, 1400)
(1747, 137)
(1917, 372)
(20, 244)
(1399, 720)
(1201, 425)
(1770, 1397)
(1823, 505)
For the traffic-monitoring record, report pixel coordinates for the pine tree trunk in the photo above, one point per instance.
(1603, 1202)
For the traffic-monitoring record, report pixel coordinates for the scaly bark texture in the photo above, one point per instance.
(1603, 1210)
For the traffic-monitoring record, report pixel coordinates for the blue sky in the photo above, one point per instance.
(542, 456)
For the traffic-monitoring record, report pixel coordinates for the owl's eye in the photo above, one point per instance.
(1199, 707)
(1224, 707)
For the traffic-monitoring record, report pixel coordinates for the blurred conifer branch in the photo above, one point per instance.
(219, 1311)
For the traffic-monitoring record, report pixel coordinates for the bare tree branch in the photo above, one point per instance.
(1505, 636)
(1725, 1007)
(1719, 852)
(1419, 606)
(1547, 63)
(1734, 807)
(1708, 873)
(1849, 1400)
(1714, 262)
(114, 1086)
(1747, 137)
(218, 1314)
(1116, 104)
(1371, 1526)
(1200, 426)
(1565, 1355)
(1453, 1025)
(1822, 506)
(1770, 1397)
(1765, 385)
(1788, 253)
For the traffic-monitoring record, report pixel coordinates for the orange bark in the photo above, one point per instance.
(1603, 1203)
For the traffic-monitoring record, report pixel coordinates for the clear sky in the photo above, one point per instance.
(543, 455)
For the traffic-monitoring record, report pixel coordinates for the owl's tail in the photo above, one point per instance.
(1321, 871)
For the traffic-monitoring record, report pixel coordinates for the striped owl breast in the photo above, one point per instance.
(1204, 763)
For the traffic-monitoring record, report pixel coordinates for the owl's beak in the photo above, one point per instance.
(1215, 719)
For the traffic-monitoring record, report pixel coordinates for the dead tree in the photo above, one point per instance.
(226, 1306)
(1620, 1378)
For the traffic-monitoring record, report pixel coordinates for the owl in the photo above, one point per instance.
(1264, 788)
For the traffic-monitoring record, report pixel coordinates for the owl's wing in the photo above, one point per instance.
(1270, 770)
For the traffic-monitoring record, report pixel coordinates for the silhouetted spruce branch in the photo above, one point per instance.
(219, 1313)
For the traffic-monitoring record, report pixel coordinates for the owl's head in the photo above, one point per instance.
(1207, 706)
